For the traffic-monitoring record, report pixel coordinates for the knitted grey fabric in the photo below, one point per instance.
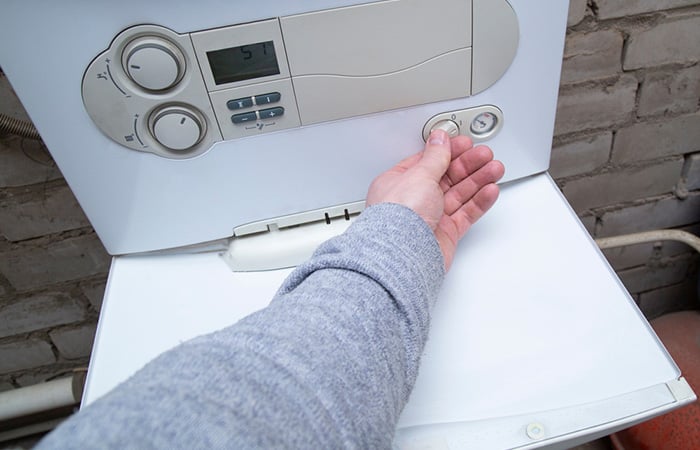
(330, 363)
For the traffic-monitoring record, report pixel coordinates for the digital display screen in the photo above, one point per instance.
(243, 63)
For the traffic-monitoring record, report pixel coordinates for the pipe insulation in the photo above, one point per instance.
(41, 397)
(650, 236)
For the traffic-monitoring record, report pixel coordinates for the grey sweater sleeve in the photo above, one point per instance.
(330, 363)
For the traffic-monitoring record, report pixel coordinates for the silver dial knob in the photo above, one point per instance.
(178, 128)
(448, 126)
(153, 63)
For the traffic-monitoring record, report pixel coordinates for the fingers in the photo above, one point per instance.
(464, 165)
(460, 144)
(462, 192)
(452, 228)
(475, 208)
(437, 155)
(468, 163)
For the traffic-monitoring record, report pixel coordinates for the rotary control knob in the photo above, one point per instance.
(448, 126)
(178, 128)
(153, 63)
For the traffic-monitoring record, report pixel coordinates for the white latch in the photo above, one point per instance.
(287, 241)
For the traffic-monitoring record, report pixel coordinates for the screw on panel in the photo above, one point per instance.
(535, 431)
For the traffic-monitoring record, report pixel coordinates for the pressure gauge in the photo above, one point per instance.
(484, 123)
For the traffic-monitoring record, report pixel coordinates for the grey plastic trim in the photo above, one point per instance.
(122, 109)
(463, 118)
(495, 42)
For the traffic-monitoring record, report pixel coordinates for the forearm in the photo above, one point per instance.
(330, 362)
(368, 294)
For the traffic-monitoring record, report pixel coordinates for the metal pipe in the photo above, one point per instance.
(650, 236)
(19, 127)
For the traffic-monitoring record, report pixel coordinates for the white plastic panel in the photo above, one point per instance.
(140, 202)
(532, 326)
(558, 428)
(534, 320)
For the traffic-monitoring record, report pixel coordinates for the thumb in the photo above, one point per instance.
(436, 156)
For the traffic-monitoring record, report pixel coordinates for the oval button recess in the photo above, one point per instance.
(177, 128)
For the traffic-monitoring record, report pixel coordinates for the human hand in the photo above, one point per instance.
(450, 185)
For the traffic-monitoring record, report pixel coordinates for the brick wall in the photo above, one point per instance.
(52, 266)
(626, 154)
(626, 149)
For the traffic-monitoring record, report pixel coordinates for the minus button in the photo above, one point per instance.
(244, 118)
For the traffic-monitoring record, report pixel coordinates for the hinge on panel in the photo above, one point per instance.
(287, 241)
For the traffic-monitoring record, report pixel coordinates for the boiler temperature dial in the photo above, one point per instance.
(177, 128)
(448, 126)
(153, 63)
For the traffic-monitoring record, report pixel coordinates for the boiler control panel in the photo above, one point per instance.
(176, 94)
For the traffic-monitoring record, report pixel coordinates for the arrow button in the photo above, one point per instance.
(264, 99)
(240, 103)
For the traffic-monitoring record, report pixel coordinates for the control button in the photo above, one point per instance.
(448, 126)
(244, 118)
(153, 63)
(272, 97)
(177, 127)
(240, 103)
(271, 113)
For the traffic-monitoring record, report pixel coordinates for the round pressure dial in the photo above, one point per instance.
(153, 63)
(484, 123)
(177, 128)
